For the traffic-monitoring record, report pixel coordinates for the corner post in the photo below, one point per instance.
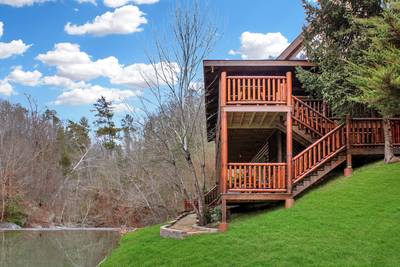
(289, 139)
(349, 169)
(224, 149)
(224, 133)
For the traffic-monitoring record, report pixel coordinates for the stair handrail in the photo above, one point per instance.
(302, 103)
(211, 195)
(317, 162)
(313, 109)
(263, 150)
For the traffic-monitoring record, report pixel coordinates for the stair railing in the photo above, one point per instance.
(211, 196)
(319, 152)
(311, 120)
(263, 154)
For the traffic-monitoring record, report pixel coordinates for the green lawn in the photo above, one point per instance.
(348, 222)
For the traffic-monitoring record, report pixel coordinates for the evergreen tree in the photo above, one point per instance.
(106, 130)
(78, 134)
(128, 130)
(378, 77)
(65, 156)
(332, 37)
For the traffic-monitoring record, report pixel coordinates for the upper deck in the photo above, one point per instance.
(247, 83)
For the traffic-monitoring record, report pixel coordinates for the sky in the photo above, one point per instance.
(65, 54)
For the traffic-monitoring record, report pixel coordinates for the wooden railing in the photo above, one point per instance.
(395, 126)
(319, 152)
(211, 196)
(319, 105)
(256, 90)
(263, 154)
(368, 132)
(210, 199)
(310, 119)
(256, 177)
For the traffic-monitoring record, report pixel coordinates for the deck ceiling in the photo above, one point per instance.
(237, 120)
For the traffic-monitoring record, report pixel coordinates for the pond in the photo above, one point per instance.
(78, 248)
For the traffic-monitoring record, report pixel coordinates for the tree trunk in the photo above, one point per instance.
(199, 191)
(389, 151)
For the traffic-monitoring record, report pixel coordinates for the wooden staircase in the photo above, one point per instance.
(326, 152)
(318, 175)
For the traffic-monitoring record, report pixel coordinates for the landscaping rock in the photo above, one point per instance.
(8, 225)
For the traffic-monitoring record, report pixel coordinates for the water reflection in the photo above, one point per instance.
(55, 248)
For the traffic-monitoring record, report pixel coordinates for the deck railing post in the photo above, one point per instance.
(349, 169)
(289, 87)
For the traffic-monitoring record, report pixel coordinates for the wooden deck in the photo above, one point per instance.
(267, 102)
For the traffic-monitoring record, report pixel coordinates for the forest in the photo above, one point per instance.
(102, 173)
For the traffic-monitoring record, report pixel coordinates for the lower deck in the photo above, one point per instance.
(258, 169)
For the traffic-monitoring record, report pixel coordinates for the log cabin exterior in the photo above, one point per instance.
(272, 140)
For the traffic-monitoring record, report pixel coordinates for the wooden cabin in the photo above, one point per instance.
(272, 140)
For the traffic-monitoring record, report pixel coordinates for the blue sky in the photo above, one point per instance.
(57, 52)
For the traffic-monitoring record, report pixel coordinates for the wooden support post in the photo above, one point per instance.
(289, 202)
(289, 137)
(224, 223)
(279, 144)
(349, 169)
(224, 134)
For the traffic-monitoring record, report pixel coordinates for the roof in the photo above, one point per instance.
(293, 49)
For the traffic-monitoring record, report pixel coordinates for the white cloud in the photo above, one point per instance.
(15, 47)
(118, 3)
(145, 2)
(6, 88)
(1, 28)
(123, 20)
(139, 75)
(123, 107)
(21, 3)
(90, 94)
(77, 65)
(87, 1)
(62, 82)
(28, 78)
(72, 63)
(261, 46)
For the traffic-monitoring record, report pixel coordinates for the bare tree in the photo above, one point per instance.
(177, 99)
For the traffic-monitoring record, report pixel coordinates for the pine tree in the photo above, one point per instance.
(78, 134)
(128, 130)
(332, 37)
(378, 77)
(106, 130)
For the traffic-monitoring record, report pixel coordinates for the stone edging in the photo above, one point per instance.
(166, 231)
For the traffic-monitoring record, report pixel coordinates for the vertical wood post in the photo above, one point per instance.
(224, 222)
(349, 169)
(289, 83)
(289, 129)
(224, 133)
(223, 88)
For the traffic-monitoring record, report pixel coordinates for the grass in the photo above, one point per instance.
(349, 222)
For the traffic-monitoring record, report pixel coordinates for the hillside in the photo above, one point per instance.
(350, 221)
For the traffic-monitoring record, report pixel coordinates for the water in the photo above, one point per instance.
(56, 248)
